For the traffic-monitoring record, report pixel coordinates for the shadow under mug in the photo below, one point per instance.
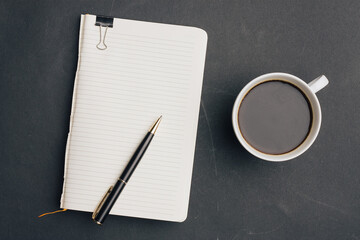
(308, 90)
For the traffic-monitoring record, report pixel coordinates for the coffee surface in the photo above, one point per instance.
(275, 117)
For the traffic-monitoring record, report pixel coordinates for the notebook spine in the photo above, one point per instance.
(103, 22)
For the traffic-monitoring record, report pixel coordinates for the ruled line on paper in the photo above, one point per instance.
(109, 135)
(142, 56)
(135, 58)
(90, 126)
(158, 204)
(119, 119)
(130, 44)
(155, 72)
(115, 161)
(120, 143)
(91, 168)
(95, 168)
(113, 172)
(137, 88)
(136, 184)
(120, 152)
(95, 32)
(141, 41)
(113, 132)
(116, 139)
(134, 193)
(106, 178)
(89, 98)
(151, 159)
(126, 97)
(131, 191)
(97, 120)
(115, 148)
(98, 194)
(111, 178)
(156, 81)
(136, 181)
(111, 163)
(157, 51)
(175, 51)
(131, 206)
(135, 130)
(112, 121)
(170, 112)
(116, 91)
(136, 200)
(119, 51)
(136, 73)
(116, 114)
(129, 60)
(133, 211)
(85, 147)
(91, 84)
(110, 130)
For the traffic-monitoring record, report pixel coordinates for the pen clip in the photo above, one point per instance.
(95, 213)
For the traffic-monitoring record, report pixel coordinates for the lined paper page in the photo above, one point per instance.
(148, 70)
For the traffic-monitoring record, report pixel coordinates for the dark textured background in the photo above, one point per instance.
(233, 195)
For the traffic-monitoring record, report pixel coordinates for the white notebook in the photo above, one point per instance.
(147, 70)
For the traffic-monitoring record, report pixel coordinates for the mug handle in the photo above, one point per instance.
(318, 83)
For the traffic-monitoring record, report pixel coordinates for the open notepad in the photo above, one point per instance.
(147, 70)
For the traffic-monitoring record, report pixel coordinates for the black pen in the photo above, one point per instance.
(108, 201)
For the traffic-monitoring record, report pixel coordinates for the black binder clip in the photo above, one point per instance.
(105, 22)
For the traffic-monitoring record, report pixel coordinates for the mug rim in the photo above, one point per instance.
(315, 108)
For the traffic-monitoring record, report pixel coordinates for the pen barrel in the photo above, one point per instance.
(135, 159)
(109, 202)
(125, 176)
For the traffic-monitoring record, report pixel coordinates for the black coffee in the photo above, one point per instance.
(275, 117)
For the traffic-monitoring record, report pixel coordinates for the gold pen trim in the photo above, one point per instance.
(95, 213)
(122, 181)
(155, 126)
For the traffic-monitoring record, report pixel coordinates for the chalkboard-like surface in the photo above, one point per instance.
(233, 195)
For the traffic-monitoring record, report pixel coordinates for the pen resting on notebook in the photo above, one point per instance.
(110, 197)
(148, 68)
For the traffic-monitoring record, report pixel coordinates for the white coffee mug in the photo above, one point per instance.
(308, 89)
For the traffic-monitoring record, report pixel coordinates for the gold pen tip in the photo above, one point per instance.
(156, 125)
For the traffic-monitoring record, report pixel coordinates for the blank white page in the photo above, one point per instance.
(148, 70)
